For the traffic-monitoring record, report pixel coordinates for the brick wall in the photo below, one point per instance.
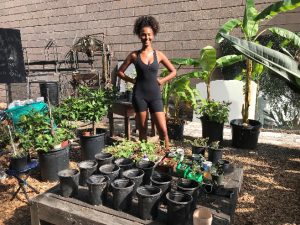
(186, 26)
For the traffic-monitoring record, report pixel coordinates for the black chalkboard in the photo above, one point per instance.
(12, 68)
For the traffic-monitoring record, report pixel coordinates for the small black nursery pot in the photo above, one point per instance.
(69, 180)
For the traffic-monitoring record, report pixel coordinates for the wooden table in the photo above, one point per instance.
(55, 209)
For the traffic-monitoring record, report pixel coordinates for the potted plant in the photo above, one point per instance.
(199, 145)
(213, 114)
(37, 132)
(245, 131)
(128, 92)
(180, 91)
(90, 105)
(217, 175)
(215, 152)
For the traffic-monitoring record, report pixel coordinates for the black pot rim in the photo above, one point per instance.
(116, 167)
(134, 169)
(179, 193)
(151, 163)
(150, 187)
(152, 178)
(187, 188)
(98, 155)
(255, 124)
(122, 180)
(54, 150)
(90, 182)
(127, 160)
(88, 162)
(73, 172)
(206, 118)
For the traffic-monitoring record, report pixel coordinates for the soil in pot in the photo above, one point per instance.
(124, 164)
(148, 201)
(214, 155)
(92, 144)
(87, 168)
(211, 129)
(245, 137)
(110, 170)
(97, 185)
(122, 194)
(69, 180)
(190, 187)
(18, 163)
(52, 162)
(104, 158)
(163, 181)
(179, 208)
(175, 131)
(147, 167)
(136, 175)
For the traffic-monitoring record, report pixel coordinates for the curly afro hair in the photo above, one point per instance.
(145, 21)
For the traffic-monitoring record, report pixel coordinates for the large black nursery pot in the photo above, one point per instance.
(245, 137)
(198, 150)
(110, 170)
(52, 162)
(190, 187)
(212, 130)
(97, 185)
(124, 164)
(87, 168)
(122, 194)
(104, 158)
(148, 201)
(175, 131)
(163, 181)
(69, 179)
(18, 163)
(147, 167)
(136, 175)
(93, 144)
(214, 155)
(179, 208)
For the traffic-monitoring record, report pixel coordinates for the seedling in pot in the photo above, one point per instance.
(215, 145)
(198, 142)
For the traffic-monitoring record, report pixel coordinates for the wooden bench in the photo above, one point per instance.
(52, 208)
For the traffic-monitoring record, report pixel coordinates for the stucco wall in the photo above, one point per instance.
(186, 26)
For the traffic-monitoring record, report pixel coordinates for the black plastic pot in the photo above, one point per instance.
(245, 137)
(214, 155)
(211, 129)
(18, 163)
(136, 175)
(104, 158)
(129, 95)
(97, 185)
(190, 187)
(175, 131)
(91, 145)
(50, 90)
(148, 201)
(224, 164)
(163, 181)
(69, 180)
(52, 162)
(147, 167)
(122, 194)
(198, 150)
(217, 179)
(87, 168)
(110, 170)
(179, 208)
(124, 164)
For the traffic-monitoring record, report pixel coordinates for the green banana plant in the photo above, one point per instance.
(180, 90)
(250, 29)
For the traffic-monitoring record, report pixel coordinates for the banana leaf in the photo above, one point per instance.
(227, 28)
(208, 58)
(184, 61)
(288, 35)
(277, 62)
(276, 8)
(250, 26)
(228, 60)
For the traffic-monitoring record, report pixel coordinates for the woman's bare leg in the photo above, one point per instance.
(141, 119)
(159, 119)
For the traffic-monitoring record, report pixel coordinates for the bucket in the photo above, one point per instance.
(202, 216)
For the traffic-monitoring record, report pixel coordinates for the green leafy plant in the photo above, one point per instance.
(148, 149)
(214, 111)
(216, 170)
(250, 29)
(125, 148)
(90, 105)
(4, 136)
(198, 142)
(215, 145)
(34, 132)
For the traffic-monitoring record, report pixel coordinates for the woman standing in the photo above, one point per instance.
(146, 91)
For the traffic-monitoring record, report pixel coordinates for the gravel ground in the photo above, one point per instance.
(270, 191)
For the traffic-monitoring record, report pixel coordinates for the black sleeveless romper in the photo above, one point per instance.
(146, 91)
